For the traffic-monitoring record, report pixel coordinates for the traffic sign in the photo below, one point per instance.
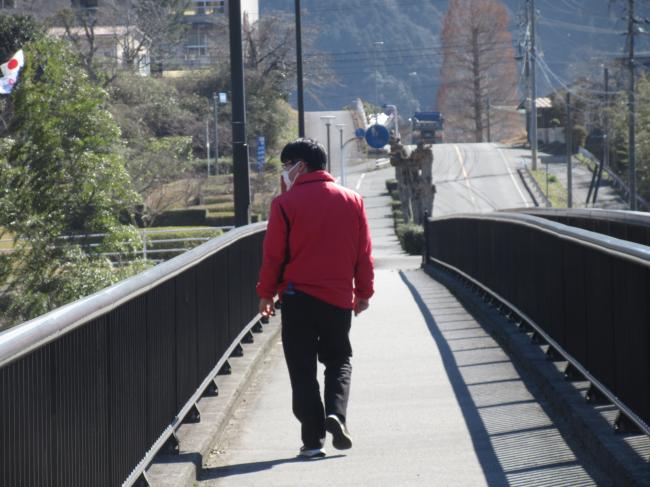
(377, 136)
(261, 152)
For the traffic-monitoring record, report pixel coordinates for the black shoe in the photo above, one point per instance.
(341, 439)
(310, 453)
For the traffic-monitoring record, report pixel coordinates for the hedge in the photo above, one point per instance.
(411, 237)
(189, 217)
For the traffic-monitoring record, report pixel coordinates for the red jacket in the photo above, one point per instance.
(320, 229)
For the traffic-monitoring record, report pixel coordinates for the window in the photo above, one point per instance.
(208, 7)
(8, 3)
(197, 42)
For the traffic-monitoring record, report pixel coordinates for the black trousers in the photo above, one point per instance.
(311, 330)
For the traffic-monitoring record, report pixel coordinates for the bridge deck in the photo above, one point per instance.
(434, 401)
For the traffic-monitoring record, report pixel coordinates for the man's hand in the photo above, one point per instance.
(360, 305)
(266, 307)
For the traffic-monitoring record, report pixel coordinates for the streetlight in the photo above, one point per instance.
(412, 76)
(328, 123)
(340, 126)
(377, 44)
(301, 102)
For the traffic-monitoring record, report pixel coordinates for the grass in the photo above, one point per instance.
(557, 194)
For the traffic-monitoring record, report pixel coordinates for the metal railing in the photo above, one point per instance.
(150, 244)
(90, 391)
(633, 226)
(584, 293)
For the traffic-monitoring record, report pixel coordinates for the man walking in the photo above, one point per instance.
(317, 258)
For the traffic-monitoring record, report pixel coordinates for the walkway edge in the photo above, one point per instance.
(615, 457)
(198, 439)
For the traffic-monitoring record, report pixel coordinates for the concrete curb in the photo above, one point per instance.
(198, 439)
(589, 425)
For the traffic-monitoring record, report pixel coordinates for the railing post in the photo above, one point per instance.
(425, 254)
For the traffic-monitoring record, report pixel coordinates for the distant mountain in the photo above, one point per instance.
(395, 44)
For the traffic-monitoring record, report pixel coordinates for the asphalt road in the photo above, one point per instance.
(476, 178)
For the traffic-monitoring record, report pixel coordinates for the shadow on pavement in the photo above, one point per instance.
(514, 437)
(246, 468)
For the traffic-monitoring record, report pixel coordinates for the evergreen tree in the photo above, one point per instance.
(61, 182)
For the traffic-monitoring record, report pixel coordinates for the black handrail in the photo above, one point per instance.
(585, 293)
(86, 390)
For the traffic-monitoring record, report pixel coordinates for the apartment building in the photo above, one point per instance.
(205, 18)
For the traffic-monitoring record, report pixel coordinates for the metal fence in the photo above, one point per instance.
(586, 294)
(89, 391)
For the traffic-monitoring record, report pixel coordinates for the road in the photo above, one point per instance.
(469, 178)
(476, 178)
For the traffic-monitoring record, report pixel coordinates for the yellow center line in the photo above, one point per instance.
(466, 176)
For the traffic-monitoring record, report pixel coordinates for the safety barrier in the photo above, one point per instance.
(90, 391)
(584, 293)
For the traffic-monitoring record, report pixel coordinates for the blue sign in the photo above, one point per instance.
(359, 133)
(261, 152)
(377, 136)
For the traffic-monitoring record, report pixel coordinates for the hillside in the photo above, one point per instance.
(574, 37)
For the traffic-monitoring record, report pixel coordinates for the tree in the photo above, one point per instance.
(62, 182)
(141, 29)
(479, 77)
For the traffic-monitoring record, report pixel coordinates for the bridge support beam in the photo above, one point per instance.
(238, 351)
(595, 397)
(625, 425)
(248, 338)
(225, 369)
(142, 481)
(193, 415)
(212, 390)
(172, 446)
(257, 327)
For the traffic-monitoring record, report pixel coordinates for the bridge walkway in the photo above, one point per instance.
(435, 400)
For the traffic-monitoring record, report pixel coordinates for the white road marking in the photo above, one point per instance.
(512, 176)
(466, 176)
(360, 181)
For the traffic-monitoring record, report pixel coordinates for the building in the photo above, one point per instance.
(205, 18)
(124, 47)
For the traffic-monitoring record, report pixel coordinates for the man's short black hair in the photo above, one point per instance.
(308, 150)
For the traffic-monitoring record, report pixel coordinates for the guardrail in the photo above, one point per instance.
(150, 244)
(617, 181)
(633, 226)
(584, 293)
(90, 391)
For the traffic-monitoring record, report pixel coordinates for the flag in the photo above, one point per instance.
(10, 71)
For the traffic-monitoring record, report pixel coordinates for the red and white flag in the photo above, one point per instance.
(10, 71)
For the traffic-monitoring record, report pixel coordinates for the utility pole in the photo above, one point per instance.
(301, 100)
(605, 162)
(377, 45)
(569, 151)
(207, 144)
(631, 31)
(341, 126)
(239, 145)
(489, 128)
(215, 99)
(328, 123)
(533, 83)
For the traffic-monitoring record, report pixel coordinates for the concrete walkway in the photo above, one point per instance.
(434, 402)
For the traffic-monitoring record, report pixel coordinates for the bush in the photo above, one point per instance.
(191, 217)
(226, 219)
(218, 199)
(391, 185)
(411, 237)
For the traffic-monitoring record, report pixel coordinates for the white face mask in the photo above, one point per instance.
(286, 176)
